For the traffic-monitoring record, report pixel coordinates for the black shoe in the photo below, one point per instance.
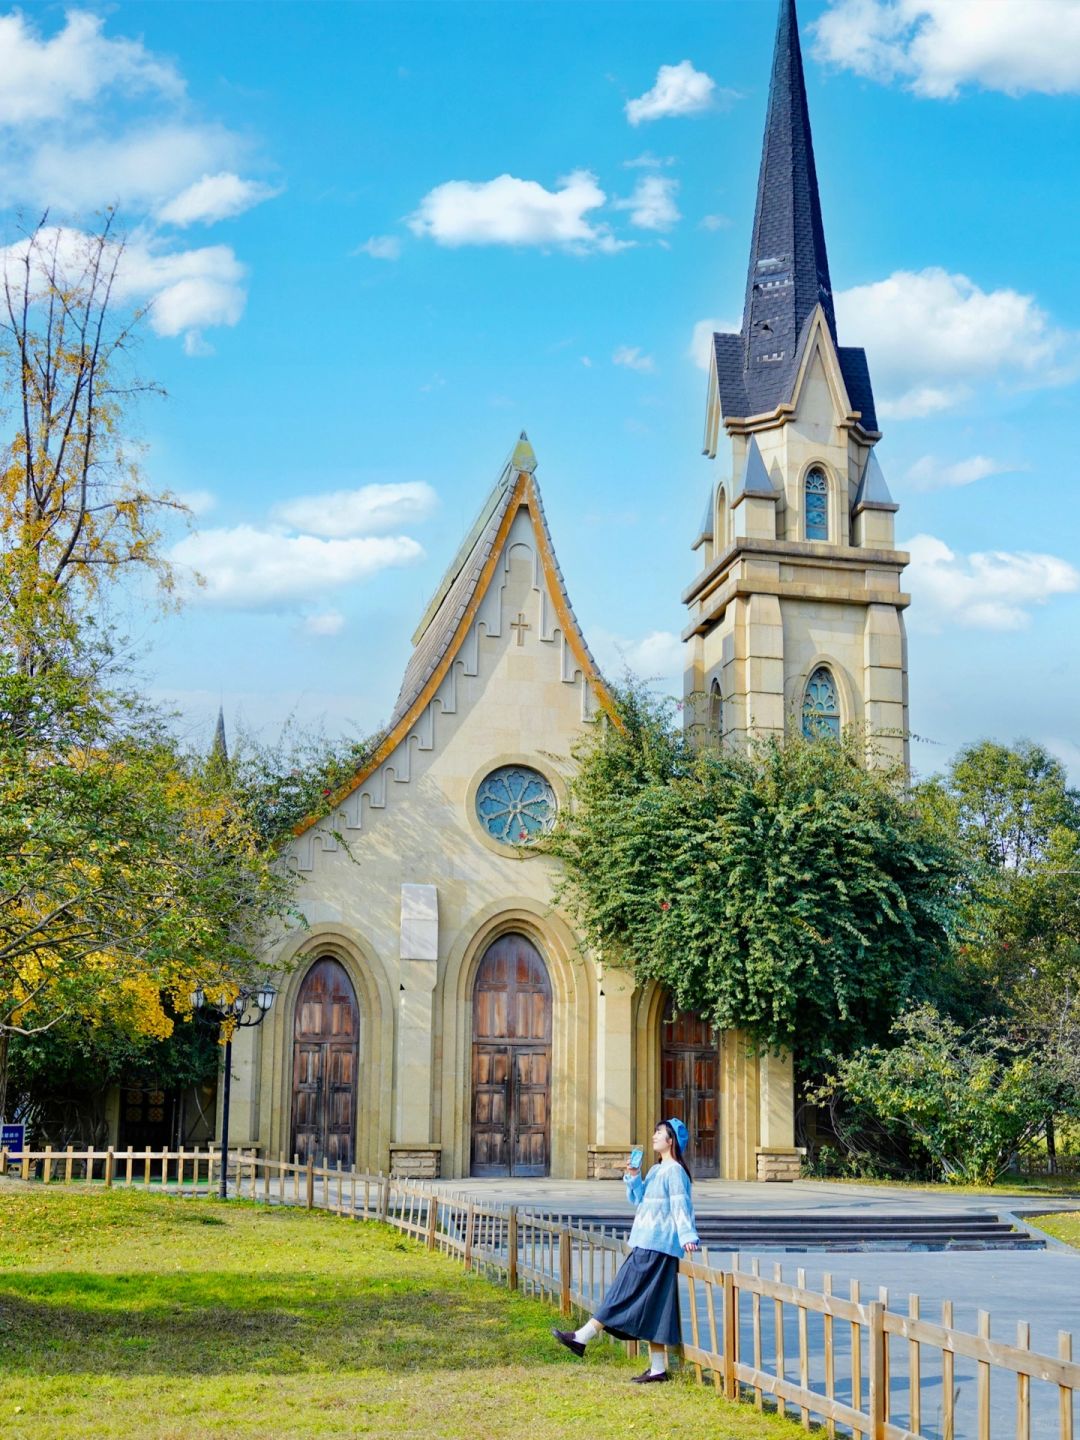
(647, 1377)
(566, 1337)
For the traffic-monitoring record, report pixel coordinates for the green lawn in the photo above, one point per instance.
(1065, 1226)
(155, 1318)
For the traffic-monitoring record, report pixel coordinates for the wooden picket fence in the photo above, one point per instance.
(741, 1321)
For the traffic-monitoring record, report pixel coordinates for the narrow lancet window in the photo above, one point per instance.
(821, 706)
(817, 506)
(716, 710)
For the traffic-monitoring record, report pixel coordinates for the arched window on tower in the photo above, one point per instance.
(821, 706)
(720, 539)
(716, 710)
(816, 505)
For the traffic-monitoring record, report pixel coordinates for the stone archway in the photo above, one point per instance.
(510, 1133)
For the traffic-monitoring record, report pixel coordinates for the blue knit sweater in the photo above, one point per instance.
(665, 1212)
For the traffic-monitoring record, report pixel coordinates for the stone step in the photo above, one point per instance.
(796, 1232)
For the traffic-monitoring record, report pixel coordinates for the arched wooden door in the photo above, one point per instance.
(511, 1061)
(690, 1084)
(326, 1049)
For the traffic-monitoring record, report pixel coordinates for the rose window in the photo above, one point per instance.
(515, 804)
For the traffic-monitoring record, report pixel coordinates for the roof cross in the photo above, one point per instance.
(520, 625)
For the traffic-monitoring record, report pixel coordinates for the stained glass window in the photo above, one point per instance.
(821, 705)
(515, 804)
(817, 506)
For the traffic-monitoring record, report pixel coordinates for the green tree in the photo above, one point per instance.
(128, 870)
(1017, 820)
(792, 893)
(966, 1099)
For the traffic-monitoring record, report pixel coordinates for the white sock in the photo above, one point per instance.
(657, 1359)
(588, 1331)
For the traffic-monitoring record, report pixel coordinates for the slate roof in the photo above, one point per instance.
(873, 492)
(453, 596)
(788, 275)
(438, 630)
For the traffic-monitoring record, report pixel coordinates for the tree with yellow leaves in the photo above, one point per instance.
(130, 872)
(75, 509)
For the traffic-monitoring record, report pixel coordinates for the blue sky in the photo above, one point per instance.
(382, 239)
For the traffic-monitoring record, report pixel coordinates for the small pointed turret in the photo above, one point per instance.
(524, 456)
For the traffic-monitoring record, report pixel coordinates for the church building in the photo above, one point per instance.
(440, 1015)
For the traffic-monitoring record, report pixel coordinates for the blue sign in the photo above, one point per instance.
(12, 1138)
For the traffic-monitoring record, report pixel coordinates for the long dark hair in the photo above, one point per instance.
(676, 1149)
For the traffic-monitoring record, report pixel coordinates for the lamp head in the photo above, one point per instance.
(198, 998)
(264, 996)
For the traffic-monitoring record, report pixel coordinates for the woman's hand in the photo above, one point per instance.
(632, 1170)
(691, 1247)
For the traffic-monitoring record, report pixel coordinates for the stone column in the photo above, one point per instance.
(777, 1157)
(412, 1152)
(614, 1075)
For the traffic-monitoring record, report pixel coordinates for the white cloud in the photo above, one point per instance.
(932, 336)
(716, 222)
(930, 473)
(679, 90)
(199, 502)
(990, 590)
(46, 79)
(369, 510)
(652, 205)
(323, 623)
(700, 347)
(380, 247)
(648, 161)
(185, 289)
(251, 568)
(656, 656)
(508, 211)
(631, 358)
(937, 46)
(141, 169)
(215, 197)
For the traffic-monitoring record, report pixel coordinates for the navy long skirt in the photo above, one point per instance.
(642, 1302)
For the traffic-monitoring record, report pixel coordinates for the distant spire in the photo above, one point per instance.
(219, 750)
(789, 266)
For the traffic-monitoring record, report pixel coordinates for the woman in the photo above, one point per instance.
(643, 1301)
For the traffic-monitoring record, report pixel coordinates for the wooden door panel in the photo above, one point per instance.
(689, 1073)
(325, 1065)
(511, 1063)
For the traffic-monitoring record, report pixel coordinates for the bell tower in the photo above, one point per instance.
(796, 616)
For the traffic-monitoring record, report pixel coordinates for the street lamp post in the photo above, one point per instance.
(242, 1014)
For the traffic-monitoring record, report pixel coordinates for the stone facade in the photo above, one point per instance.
(404, 888)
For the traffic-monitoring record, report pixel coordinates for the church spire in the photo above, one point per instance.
(219, 749)
(789, 267)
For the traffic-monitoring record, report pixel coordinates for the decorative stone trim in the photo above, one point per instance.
(607, 1162)
(416, 1162)
(779, 1162)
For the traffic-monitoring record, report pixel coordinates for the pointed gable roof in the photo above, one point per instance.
(873, 492)
(457, 598)
(788, 275)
